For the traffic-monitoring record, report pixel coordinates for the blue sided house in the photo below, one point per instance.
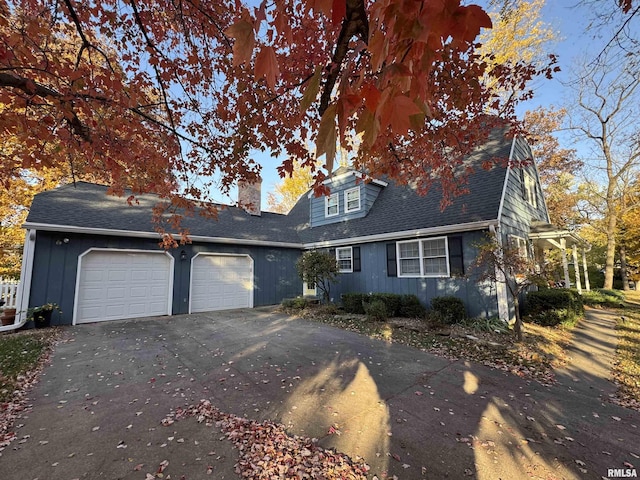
(99, 258)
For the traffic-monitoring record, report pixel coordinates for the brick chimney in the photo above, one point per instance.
(249, 195)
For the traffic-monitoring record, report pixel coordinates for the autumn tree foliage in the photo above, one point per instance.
(519, 34)
(288, 191)
(504, 262)
(557, 166)
(15, 199)
(209, 83)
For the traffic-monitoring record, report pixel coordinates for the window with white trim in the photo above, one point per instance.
(331, 205)
(423, 258)
(530, 190)
(521, 244)
(344, 257)
(352, 200)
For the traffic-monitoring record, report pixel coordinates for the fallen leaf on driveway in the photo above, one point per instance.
(163, 465)
(289, 456)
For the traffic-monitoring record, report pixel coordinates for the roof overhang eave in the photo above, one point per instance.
(155, 235)
(417, 233)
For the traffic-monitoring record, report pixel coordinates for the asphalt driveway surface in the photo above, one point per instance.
(98, 409)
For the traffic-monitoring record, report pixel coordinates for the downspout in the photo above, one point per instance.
(24, 287)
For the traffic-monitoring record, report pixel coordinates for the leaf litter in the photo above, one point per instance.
(266, 450)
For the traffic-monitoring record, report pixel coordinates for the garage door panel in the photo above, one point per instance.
(92, 294)
(139, 275)
(157, 292)
(118, 284)
(221, 282)
(117, 275)
(138, 292)
(158, 275)
(94, 275)
(115, 311)
(117, 293)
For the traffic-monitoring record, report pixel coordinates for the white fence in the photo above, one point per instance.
(8, 292)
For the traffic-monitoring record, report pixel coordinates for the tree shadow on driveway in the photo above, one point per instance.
(406, 412)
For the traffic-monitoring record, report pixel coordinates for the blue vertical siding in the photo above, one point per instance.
(479, 298)
(55, 269)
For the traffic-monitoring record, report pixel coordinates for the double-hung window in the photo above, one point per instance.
(423, 258)
(530, 190)
(344, 257)
(331, 205)
(520, 244)
(352, 200)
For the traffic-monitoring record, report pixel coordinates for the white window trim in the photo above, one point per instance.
(530, 189)
(422, 257)
(350, 257)
(346, 201)
(520, 242)
(326, 205)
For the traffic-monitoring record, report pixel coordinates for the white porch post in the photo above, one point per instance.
(576, 265)
(565, 263)
(586, 272)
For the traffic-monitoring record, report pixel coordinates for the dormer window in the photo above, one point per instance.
(352, 200)
(331, 204)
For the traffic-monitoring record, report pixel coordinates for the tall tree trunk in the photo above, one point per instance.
(623, 267)
(611, 249)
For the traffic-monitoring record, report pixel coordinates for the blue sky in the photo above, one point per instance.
(570, 19)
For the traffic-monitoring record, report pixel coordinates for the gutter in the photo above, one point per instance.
(155, 235)
(424, 232)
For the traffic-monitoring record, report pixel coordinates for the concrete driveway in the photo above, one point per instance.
(98, 409)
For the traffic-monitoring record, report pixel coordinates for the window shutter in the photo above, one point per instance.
(356, 258)
(332, 252)
(392, 268)
(456, 261)
(523, 188)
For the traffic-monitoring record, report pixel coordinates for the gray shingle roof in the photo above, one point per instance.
(397, 208)
(400, 208)
(89, 206)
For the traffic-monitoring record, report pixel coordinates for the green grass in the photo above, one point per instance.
(626, 369)
(20, 353)
(603, 298)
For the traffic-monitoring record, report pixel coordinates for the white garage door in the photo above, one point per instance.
(221, 282)
(122, 284)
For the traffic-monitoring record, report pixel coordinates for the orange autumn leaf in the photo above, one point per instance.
(327, 137)
(242, 33)
(267, 66)
(396, 113)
